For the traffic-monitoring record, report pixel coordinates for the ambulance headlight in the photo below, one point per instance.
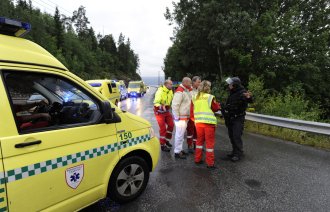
(151, 132)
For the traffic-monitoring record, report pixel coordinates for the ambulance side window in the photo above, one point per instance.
(110, 88)
(48, 102)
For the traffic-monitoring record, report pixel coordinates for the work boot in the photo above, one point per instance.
(180, 155)
(199, 162)
(168, 144)
(165, 148)
(211, 167)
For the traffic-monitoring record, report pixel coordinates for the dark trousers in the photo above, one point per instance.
(235, 131)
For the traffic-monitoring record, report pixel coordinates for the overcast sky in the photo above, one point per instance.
(140, 20)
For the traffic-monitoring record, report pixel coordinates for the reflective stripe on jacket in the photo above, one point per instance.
(202, 109)
(163, 96)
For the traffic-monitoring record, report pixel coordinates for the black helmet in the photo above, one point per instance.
(233, 81)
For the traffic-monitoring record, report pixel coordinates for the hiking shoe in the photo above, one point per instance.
(168, 144)
(184, 152)
(211, 167)
(165, 148)
(180, 155)
(235, 158)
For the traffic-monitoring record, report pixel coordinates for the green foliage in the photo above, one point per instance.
(256, 86)
(219, 91)
(291, 104)
(74, 43)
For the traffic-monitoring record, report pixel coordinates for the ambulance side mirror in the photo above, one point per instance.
(108, 114)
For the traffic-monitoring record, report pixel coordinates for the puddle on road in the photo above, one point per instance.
(253, 183)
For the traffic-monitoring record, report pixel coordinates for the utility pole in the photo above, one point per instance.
(158, 78)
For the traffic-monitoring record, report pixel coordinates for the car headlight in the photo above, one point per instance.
(151, 132)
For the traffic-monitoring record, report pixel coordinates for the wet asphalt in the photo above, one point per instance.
(274, 175)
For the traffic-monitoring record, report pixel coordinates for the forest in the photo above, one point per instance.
(74, 42)
(279, 49)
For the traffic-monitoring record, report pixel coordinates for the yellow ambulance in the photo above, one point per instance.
(64, 146)
(136, 88)
(108, 88)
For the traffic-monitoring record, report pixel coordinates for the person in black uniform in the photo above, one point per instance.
(234, 114)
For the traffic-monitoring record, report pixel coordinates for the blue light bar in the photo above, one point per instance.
(95, 84)
(13, 27)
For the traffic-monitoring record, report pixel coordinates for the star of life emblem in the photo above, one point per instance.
(74, 176)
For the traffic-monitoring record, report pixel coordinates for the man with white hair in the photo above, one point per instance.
(181, 113)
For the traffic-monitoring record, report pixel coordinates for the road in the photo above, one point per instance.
(275, 175)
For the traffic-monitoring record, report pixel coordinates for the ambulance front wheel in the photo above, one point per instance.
(129, 179)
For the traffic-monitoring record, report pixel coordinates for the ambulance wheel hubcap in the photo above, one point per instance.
(130, 180)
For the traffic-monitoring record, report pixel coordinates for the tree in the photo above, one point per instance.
(58, 29)
(7, 8)
(80, 21)
(108, 44)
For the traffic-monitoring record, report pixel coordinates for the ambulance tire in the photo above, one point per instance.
(124, 185)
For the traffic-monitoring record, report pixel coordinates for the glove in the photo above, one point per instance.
(163, 108)
(218, 113)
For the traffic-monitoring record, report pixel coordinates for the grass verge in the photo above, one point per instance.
(300, 137)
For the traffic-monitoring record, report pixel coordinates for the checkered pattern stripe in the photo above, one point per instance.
(45, 166)
(2, 178)
(2, 198)
(134, 141)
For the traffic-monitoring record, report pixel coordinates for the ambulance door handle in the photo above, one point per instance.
(25, 144)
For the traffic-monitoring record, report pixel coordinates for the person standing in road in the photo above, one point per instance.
(191, 129)
(181, 111)
(234, 114)
(162, 105)
(205, 106)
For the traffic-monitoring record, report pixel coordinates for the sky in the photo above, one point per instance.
(142, 21)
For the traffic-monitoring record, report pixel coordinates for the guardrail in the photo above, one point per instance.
(307, 126)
